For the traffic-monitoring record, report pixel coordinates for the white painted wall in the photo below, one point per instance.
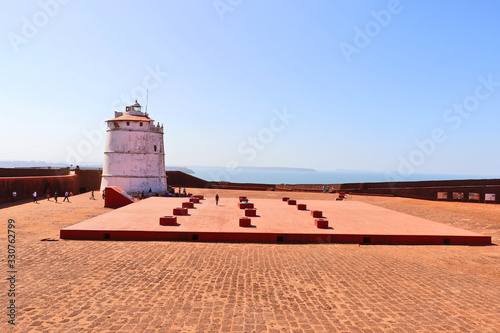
(130, 159)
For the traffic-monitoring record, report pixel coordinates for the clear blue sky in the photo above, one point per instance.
(364, 81)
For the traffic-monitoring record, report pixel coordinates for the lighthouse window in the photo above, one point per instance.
(155, 147)
(128, 123)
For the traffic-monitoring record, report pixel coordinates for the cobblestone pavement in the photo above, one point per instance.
(107, 286)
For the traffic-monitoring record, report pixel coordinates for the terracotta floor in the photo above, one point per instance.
(161, 286)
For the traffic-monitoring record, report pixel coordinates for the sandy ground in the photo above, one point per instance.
(101, 286)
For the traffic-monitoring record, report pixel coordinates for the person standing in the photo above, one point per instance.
(34, 197)
(217, 199)
(48, 194)
(55, 196)
(66, 196)
(92, 195)
(14, 195)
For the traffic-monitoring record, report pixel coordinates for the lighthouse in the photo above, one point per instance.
(134, 156)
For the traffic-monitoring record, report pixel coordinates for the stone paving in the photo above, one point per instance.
(106, 286)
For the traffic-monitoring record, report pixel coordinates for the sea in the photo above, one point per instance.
(284, 176)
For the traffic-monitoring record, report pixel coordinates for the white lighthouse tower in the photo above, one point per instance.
(134, 157)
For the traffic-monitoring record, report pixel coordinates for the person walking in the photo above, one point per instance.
(217, 199)
(55, 196)
(66, 196)
(48, 194)
(34, 197)
(92, 195)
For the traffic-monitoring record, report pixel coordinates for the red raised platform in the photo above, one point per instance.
(301, 206)
(194, 200)
(250, 212)
(292, 202)
(188, 204)
(355, 222)
(245, 222)
(180, 211)
(243, 205)
(321, 223)
(316, 213)
(168, 220)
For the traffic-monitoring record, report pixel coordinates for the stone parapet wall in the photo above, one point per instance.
(24, 186)
(27, 172)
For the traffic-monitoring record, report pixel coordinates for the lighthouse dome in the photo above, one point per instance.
(134, 109)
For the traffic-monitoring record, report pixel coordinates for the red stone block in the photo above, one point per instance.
(201, 197)
(321, 223)
(168, 220)
(250, 212)
(116, 197)
(285, 198)
(243, 198)
(194, 200)
(188, 205)
(301, 206)
(180, 211)
(245, 222)
(316, 213)
(245, 205)
(292, 202)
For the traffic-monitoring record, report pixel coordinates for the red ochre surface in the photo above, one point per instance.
(349, 222)
(245, 222)
(321, 223)
(115, 197)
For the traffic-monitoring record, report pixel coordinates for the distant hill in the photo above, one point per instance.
(250, 168)
(277, 169)
(48, 164)
(177, 168)
(31, 164)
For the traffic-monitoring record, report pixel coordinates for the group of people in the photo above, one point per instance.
(47, 194)
(326, 189)
(181, 193)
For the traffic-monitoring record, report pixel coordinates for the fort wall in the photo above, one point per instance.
(25, 180)
(24, 186)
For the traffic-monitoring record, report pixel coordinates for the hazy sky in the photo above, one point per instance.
(407, 86)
